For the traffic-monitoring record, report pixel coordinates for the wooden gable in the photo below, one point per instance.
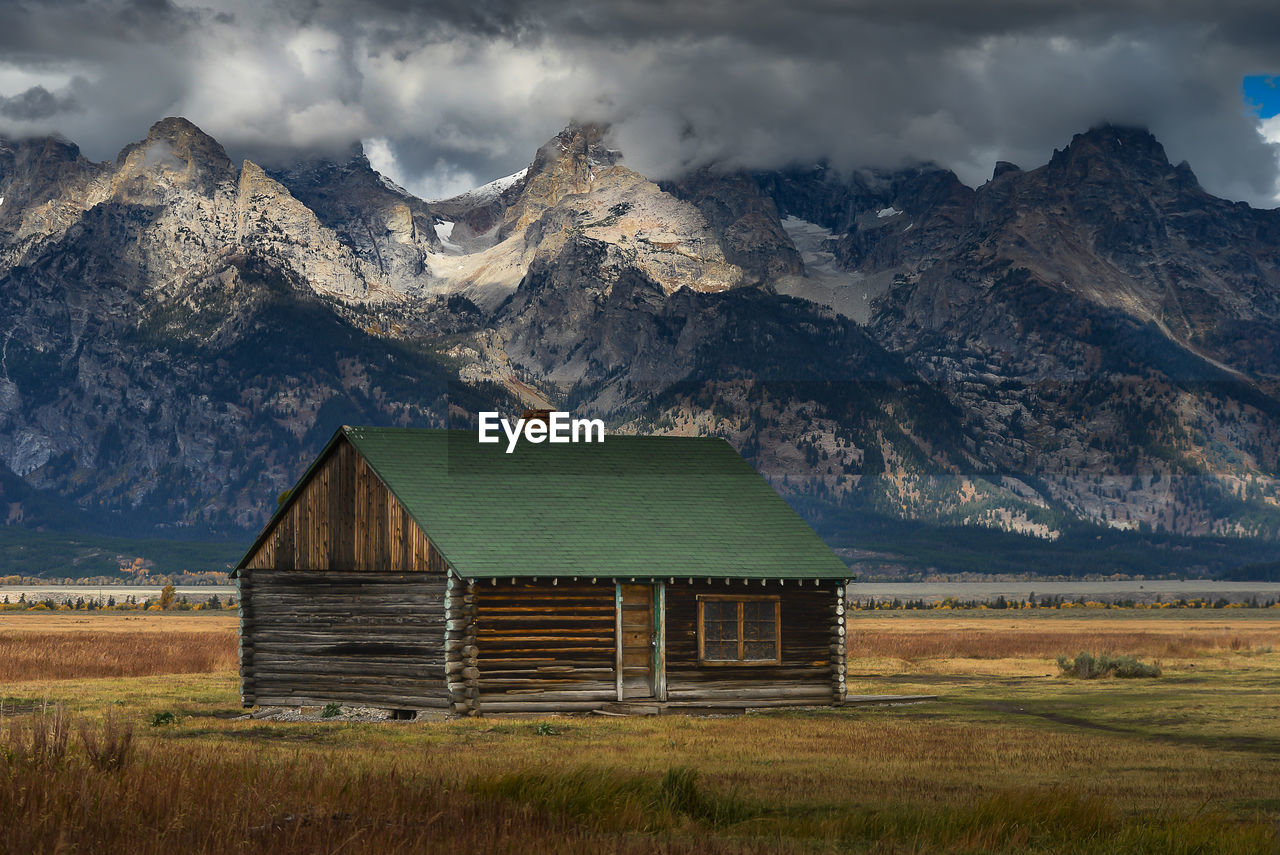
(343, 517)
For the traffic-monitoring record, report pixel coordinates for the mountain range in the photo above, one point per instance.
(1089, 349)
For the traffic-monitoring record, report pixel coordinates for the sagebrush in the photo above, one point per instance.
(1087, 666)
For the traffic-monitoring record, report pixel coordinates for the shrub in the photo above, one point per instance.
(164, 717)
(330, 710)
(1086, 666)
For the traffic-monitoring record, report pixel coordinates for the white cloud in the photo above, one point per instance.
(441, 182)
(1270, 130)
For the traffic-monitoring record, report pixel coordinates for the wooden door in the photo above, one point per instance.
(637, 642)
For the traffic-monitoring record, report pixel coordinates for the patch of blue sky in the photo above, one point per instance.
(1262, 94)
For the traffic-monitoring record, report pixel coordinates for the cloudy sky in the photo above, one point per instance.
(451, 94)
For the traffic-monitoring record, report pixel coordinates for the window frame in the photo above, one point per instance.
(740, 599)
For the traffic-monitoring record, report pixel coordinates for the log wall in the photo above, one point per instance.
(366, 638)
(807, 669)
(545, 647)
(342, 517)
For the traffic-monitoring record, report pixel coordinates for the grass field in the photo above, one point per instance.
(1013, 758)
(60, 646)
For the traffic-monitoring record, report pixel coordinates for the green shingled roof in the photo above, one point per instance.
(631, 506)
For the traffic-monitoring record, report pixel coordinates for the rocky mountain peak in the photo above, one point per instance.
(1004, 167)
(381, 222)
(356, 156)
(745, 220)
(568, 163)
(50, 158)
(50, 148)
(185, 141)
(175, 128)
(297, 237)
(580, 144)
(174, 153)
(323, 166)
(1124, 141)
(1110, 151)
(45, 183)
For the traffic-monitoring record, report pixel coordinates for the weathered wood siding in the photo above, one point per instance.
(545, 647)
(807, 669)
(374, 639)
(344, 518)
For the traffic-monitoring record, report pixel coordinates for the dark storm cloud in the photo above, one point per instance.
(35, 104)
(448, 93)
(87, 29)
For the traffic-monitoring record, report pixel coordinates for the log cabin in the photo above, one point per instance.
(415, 569)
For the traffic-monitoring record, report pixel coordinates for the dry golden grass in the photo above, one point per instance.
(888, 782)
(954, 638)
(194, 799)
(15, 621)
(29, 653)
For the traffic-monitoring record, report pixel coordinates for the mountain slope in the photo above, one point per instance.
(1106, 326)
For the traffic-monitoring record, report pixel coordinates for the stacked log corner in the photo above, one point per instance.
(244, 651)
(838, 648)
(461, 655)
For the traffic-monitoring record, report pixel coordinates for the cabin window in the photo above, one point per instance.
(735, 630)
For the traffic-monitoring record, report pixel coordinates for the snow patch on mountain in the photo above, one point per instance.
(486, 193)
(393, 187)
(824, 281)
(444, 231)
